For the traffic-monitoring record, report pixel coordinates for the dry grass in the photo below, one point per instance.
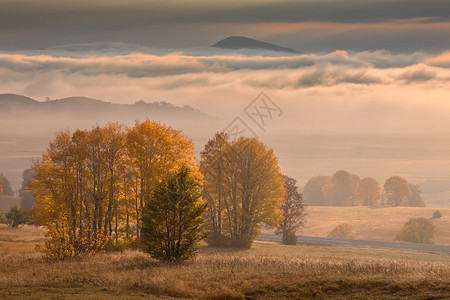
(223, 273)
(267, 270)
(381, 224)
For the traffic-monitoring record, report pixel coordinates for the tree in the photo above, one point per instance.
(368, 192)
(293, 212)
(340, 189)
(252, 189)
(417, 230)
(156, 151)
(90, 185)
(312, 192)
(415, 199)
(28, 199)
(5, 186)
(342, 231)
(171, 219)
(16, 217)
(397, 191)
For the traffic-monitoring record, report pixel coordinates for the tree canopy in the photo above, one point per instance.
(91, 185)
(243, 187)
(293, 212)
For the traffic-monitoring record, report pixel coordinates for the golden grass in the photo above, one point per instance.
(381, 224)
(219, 273)
(267, 270)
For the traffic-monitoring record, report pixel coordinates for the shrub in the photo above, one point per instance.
(67, 245)
(417, 230)
(16, 217)
(342, 231)
(436, 214)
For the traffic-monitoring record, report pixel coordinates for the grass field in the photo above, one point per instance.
(381, 224)
(267, 270)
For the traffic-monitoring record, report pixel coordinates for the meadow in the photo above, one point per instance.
(267, 270)
(379, 224)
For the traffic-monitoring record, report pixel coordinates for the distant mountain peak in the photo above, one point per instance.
(241, 42)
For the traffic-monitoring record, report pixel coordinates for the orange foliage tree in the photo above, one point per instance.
(91, 186)
(243, 187)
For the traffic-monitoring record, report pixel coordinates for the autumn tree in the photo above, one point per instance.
(293, 212)
(28, 199)
(368, 192)
(172, 217)
(340, 189)
(397, 191)
(91, 185)
(313, 191)
(5, 186)
(212, 166)
(155, 151)
(415, 199)
(417, 230)
(252, 186)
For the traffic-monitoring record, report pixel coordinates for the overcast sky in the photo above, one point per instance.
(306, 25)
(371, 65)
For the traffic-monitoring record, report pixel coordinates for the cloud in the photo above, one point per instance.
(305, 25)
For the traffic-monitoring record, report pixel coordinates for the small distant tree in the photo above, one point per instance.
(293, 212)
(312, 192)
(172, 218)
(368, 192)
(417, 230)
(416, 199)
(28, 199)
(342, 231)
(397, 191)
(16, 217)
(340, 190)
(436, 214)
(5, 186)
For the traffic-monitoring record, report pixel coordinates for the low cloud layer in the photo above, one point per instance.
(362, 91)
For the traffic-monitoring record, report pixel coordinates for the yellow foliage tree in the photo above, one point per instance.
(243, 187)
(91, 185)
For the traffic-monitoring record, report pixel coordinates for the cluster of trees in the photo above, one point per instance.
(117, 185)
(244, 188)
(346, 189)
(91, 186)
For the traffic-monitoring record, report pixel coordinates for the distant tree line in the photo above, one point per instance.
(346, 189)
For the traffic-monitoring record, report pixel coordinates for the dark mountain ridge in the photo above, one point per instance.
(11, 104)
(241, 42)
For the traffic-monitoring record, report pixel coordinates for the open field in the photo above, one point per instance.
(379, 224)
(267, 270)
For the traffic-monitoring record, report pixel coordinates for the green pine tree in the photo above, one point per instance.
(171, 221)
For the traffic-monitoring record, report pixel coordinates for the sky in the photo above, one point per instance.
(370, 65)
